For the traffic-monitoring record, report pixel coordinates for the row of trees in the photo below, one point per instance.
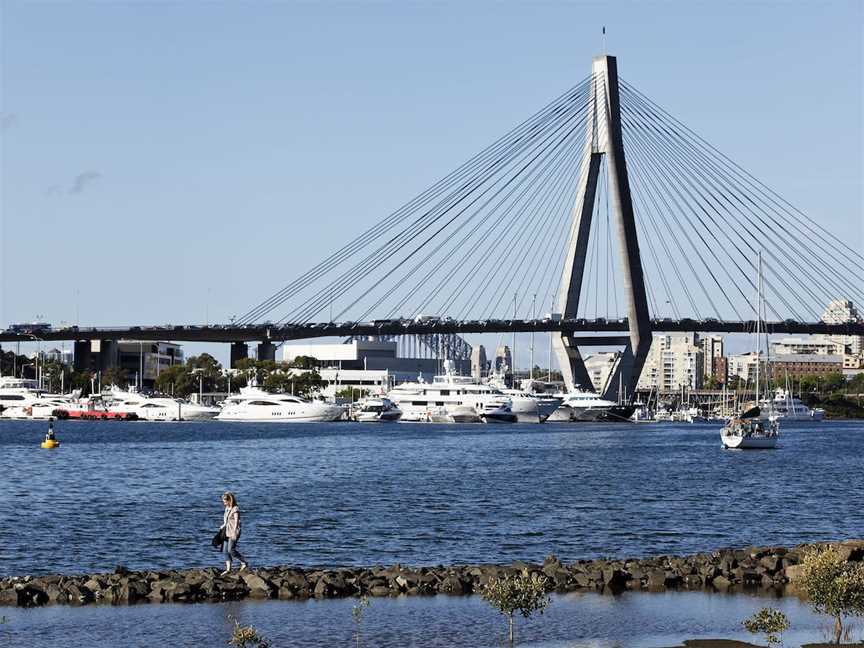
(204, 373)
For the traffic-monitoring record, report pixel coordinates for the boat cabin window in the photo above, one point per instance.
(11, 397)
(260, 402)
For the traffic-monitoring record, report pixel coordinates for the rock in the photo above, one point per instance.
(614, 579)
(771, 563)
(721, 583)
(259, 587)
(657, 579)
(379, 590)
(452, 585)
(9, 596)
(794, 573)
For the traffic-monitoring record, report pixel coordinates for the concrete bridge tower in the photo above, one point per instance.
(604, 138)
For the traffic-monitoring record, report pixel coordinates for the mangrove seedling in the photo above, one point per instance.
(517, 593)
(357, 616)
(769, 622)
(833, 585)
(247, 637)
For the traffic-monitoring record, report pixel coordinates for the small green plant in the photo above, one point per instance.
(357, 616)
(518, 593)
(833, 585)
(769, 622)
(247, 637)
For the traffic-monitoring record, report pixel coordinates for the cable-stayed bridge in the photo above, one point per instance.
(602, 209)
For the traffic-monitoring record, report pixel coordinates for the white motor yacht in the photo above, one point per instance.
(788, 407)
(157, 408)
(580, 405)
(374, 410)
(448, 398)
(253, 404)
(22, 398)
(527, 406)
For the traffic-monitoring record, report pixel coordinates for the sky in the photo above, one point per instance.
(178, 162)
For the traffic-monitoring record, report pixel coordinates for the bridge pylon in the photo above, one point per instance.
(604, 138)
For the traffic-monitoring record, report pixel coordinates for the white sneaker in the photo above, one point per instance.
(225, 573)
(243, 566)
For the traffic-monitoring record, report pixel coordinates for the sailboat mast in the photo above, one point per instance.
(758, 319)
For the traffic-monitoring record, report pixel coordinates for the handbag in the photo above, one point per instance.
(218, 539)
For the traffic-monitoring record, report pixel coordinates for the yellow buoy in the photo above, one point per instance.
(50, 442)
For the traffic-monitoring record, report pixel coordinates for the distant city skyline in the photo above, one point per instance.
(177, 163)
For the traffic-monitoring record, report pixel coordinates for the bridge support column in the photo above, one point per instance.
(604, 138)
(239, 350)
(81, 355)
(266, 351)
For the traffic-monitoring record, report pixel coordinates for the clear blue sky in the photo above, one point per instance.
(175, 162)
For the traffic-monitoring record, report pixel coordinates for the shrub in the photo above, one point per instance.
(769, 622)
(834, 586)
(518, 593)
(248, 637)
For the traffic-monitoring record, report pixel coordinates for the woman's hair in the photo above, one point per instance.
(232, 501)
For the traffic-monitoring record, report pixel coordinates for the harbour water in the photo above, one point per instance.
(633, 620)
(146, 495)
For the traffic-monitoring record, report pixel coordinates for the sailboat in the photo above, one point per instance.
(752, 429)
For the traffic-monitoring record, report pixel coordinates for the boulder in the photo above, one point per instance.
(9, 596)
(258, 586)
(721, 583)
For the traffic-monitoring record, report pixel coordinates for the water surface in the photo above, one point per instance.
(146, 495)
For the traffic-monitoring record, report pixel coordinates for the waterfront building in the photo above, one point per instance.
(743, 366)
(600, 367)
(62, 356)
(368, 355)
(712, 352)
(479, 366)
(675, 360)
(142, 360)
(817, 344)
(843, 311)
(805, 364)
(503, 359)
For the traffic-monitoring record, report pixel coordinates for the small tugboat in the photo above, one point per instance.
(375, 410)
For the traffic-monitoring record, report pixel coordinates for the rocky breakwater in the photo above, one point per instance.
(768, 568)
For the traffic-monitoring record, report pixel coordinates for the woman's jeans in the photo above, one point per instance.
(230, 550)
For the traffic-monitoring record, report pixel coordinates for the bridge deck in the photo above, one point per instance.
(257, 333)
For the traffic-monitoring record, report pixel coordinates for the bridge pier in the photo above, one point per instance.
(239, 351)
(266, 351)
(604, 138)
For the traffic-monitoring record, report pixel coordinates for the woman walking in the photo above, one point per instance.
(231, 526)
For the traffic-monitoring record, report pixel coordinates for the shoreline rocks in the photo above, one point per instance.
(771, 569)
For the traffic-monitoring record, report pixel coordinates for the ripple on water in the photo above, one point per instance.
(147, 494)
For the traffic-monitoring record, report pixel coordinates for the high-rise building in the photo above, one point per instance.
(503, 359)
(675, 360)
(712, 351)
(843, 311)
(600, 366)
(478, 361)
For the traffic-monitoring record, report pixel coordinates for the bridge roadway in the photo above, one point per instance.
(615, 330)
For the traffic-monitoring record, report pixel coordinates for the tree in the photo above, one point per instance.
(352, 393)
(770, 622)
(516, 593)
(176, 380)
(304, 362)
(834, 382)
(834, 585)
(856, 384)
(115, 376)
